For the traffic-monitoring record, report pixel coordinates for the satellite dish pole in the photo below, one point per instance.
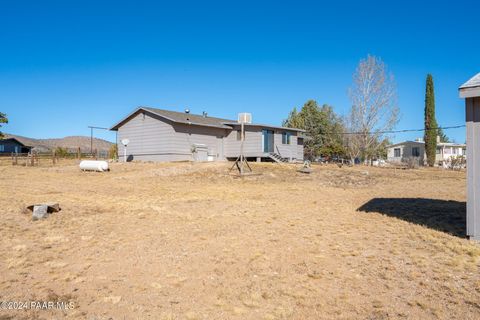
(241, 162)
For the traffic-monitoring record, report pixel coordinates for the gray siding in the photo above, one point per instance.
(155, 139)
(252, 146)
(473, 167)
(150, 139)
(289, 151)
(187, 135)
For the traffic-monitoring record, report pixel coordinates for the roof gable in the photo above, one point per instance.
(15, 140)
(471, 88)
(472, 83)
(177, 117)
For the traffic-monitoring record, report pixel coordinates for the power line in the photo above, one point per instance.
(399, 131)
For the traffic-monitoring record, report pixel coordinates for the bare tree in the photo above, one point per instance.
(374, 108)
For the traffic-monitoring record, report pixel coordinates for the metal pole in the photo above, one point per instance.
(91, 137)
(241, 147)
(91, 140)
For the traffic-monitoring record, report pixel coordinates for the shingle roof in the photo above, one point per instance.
(18, 139)
(472, 83)
(189, 118)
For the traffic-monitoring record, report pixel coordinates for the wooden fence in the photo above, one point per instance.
(48, 159)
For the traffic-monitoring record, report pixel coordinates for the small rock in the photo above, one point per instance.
(113, 299)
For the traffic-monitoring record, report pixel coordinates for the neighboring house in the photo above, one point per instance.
(162, 135)
(13, 145)
(401, 152)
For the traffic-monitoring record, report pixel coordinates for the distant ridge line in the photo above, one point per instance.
(68, 142)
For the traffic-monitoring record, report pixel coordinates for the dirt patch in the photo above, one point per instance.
(190, 241)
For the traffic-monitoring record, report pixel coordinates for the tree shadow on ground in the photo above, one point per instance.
(442, 215)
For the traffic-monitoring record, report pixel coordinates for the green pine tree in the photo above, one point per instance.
(323, 128)
(431, 126)
(3, 119)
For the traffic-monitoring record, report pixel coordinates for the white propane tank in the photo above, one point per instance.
(93, 165)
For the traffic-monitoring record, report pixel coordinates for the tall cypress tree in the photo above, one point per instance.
(430, 122)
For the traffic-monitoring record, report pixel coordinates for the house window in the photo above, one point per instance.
(286, 137)
(2, 148)
(415, 152)
(239, 135)
(439, 151)
(396, 152)
(16, 149)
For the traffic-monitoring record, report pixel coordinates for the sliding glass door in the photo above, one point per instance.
(267, 141)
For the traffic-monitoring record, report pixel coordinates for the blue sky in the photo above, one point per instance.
(65, 65)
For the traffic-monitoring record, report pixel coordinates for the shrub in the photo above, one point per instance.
(413, 163)
(113, 152)
(61, 152)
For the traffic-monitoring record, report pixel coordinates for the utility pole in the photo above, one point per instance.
(91, 136)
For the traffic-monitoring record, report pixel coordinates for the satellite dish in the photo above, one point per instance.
(125, 142)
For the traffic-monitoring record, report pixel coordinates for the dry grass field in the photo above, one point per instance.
(189, 241)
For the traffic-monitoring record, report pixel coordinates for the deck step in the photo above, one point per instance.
(277, 158)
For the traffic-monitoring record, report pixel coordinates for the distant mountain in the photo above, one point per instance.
(72, 143)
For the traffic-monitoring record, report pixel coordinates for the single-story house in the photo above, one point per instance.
(163, 135)
(401, 152)
(13, 145)
(470, 91)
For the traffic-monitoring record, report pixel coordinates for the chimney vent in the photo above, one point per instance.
(204, 114)
(187, 110)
